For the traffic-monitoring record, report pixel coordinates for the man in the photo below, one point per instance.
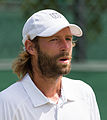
(42, 92)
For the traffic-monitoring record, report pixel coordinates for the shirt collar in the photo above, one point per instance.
(38, 98)
(33, 92)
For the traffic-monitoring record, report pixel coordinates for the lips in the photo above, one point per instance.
(64, 59)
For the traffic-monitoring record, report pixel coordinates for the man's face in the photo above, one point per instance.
(54, 54)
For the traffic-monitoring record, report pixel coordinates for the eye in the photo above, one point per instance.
(68, 39)
(54, 39)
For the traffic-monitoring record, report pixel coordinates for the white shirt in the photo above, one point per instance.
(24, 101)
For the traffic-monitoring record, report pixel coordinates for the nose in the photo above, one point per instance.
(64, 45)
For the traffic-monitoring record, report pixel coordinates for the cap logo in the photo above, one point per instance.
(55, 15)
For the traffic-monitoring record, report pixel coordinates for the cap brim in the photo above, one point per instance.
(75, 30)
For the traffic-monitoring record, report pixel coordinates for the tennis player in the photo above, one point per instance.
(42, 93)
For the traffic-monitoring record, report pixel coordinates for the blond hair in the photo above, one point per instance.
(22, 64)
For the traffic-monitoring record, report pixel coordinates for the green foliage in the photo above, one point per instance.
(94, 15)
(31, 6)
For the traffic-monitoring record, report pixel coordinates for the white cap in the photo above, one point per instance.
(46, 23)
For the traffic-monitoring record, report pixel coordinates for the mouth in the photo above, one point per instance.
(65, 59)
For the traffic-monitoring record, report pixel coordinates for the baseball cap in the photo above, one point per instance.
(46, 23)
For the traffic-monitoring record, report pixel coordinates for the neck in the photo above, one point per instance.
(50, 87)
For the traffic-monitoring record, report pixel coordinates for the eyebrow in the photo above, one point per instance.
(69, 36)
(65, 36)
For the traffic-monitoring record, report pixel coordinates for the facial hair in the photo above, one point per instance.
(49, 66)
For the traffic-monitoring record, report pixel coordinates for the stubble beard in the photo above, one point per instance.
(49, 66)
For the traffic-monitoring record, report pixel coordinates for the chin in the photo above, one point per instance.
(64, 71)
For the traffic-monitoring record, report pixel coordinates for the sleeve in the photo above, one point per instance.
(95, 115)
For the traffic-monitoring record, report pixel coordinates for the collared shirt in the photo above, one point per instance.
(24, 101)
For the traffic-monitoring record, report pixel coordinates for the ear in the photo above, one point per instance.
(30, 47)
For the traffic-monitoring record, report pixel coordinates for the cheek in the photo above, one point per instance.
(70, 51)
(52, 51)
(49, 49)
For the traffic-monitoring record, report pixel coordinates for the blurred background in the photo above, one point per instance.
(89, 62)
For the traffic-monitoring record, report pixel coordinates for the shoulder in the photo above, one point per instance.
(77, 87)
(75, 83)
(10, 100)
(14, 94)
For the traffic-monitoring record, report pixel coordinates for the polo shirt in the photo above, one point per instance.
(24, 101)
